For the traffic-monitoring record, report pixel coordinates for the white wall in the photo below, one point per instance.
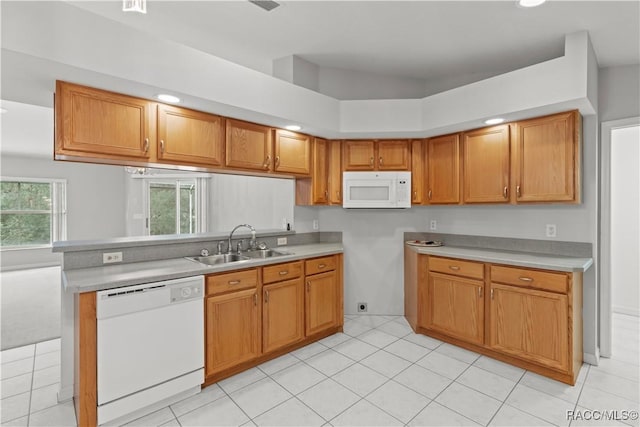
(619, 92)
(625, 220)
(95, 202)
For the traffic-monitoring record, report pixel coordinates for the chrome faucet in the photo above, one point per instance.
(253, 235)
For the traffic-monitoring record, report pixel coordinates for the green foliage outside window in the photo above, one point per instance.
(25, 218)
(164, 208)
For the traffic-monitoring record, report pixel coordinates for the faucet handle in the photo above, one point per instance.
(262, 246)
(239, 246)
(220, 244)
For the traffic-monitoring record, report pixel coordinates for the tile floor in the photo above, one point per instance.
(378, 373)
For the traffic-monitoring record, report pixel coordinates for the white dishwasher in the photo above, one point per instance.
(150, 344)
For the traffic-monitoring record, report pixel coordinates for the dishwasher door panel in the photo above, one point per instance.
(142, 349)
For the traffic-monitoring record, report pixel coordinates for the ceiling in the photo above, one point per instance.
(442, 44)
(428, 40)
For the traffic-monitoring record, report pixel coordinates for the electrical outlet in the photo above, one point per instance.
(551, 230)
(433, 225)
(108, 258)
(316, 224)
(362, 307)
(282, 241)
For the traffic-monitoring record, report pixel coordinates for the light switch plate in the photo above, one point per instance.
(316, 224)
(433, 225)
(282, 241)
(551, 230)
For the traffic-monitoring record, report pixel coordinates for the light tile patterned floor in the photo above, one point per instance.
(378, 373)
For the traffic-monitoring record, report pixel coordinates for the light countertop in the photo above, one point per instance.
(521, 259)
(115, 276)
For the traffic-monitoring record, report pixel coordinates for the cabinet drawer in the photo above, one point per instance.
(235, 281)
(278, 272)
(320, 265)
(457, 267)
(545, 280)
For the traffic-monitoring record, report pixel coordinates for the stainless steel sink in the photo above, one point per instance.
(264, 253)
(219, 259)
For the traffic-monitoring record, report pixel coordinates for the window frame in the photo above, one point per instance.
(200, 201)
(58, 211)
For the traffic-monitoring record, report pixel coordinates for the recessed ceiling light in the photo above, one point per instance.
(530, 3)
(168, 98)
(495, 121)
(293, 127)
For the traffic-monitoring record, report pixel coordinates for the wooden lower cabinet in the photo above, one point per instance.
(254, 315)
(282, 314)
(321, 302)
(456, 307)
(530, 324)
(232, 330)
(527, 317)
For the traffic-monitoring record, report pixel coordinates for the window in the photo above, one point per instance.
(174, 206)
(32, 212)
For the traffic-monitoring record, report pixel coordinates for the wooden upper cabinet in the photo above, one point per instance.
(335, 172)
(249, 146)
(394, 155)
(486, 165)
(320, 178)
(443, 169)
(370, 155)
(359, 155)
(547, 162)
(100, 124)
(188, 136)
(292, 152)
(417, 171)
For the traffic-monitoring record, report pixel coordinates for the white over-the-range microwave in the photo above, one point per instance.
(376, 190)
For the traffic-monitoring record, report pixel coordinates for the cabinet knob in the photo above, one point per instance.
(505, 192)
(480, 291)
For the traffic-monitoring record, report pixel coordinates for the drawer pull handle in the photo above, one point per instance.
(266, 297)
(518, 192)
(505, 192)
(277, 161)
(526, 279)
(267, 162)
(491, 293)
(454, 267)
(146, 145)
(338, 195)
(326, 194)
(479, 292)
(308, 286)
(322, 265)
(284, 272)
(255, 299)
(380, 161)
(429, 194)
(371, 161)
(234, 282)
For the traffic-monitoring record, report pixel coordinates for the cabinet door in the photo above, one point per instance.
(320, 179)
(394, 155)
(293, 153)
(102, 124)
(188, 136)
(443, 169)
(530, 324)
(547, 166)
(233, 330)
(248, 146)
(321, 302)
(486, 165)
(283, 314)
(417, 172)
(335, 172)
(358, 155)
(456, 307)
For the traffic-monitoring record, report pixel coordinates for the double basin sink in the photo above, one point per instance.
(244, 256)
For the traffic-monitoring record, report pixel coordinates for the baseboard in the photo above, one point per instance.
(592, 359)
(630, 311)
